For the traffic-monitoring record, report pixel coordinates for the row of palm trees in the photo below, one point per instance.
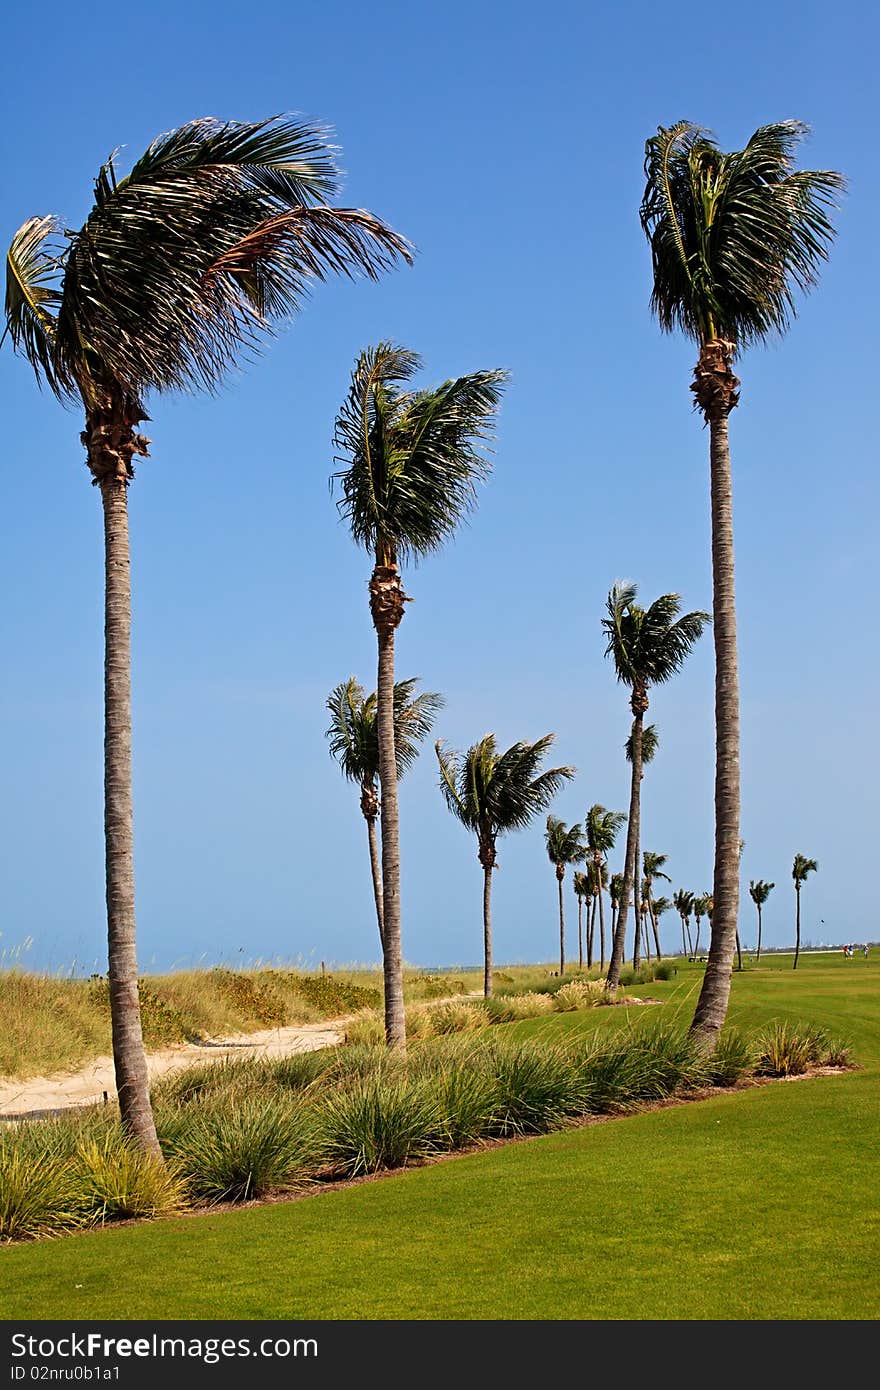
(216, 233)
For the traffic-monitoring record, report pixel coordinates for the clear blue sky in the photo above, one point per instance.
(506, 141)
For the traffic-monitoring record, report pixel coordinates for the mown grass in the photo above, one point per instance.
(756, 1204)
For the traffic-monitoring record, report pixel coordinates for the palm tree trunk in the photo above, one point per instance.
(739, 954)
(487, 932)
(591, 933)
(376, 871)
(386, 605)
(711, 1009)
(129, 1057)
(645, 937)
(797, 940)
(581, 932)
(601, 930)
(758, 956)
(656, 929)
(683, 943)
(632, 838)
(561, 927)
(637, 897)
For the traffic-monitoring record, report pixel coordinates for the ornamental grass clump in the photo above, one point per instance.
(509, 1008)
(115, 1181)
(39, 1194)
(538, 1088)
(236, 1153)
(733, 1058)
(579, 994)
(387, 1120)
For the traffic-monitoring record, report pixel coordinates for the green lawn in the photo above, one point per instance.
(759, 1204)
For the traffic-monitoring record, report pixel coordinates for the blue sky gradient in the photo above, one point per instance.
(506, 141)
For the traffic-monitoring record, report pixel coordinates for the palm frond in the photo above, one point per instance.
(413, 458)
(353, 733)
(650, 744)
(733, 236)
(215, 235)
(801, 867)
(759, 891)
(564, 843)
(648, 645)
(495, 792)
(33, 272)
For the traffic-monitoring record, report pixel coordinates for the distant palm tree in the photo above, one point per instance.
(615, 893)
(683, 902)
(701, 909)
(582, 891)
(799, 871)
(650, 744)
(492, 793)
(215, 233)
(597, 880)
(354, 743)
(602, 828)
(413, 462)
(648, 646)
(652, 867)
(732, 237)
(759, 891)
(564, 846)
(658, 907)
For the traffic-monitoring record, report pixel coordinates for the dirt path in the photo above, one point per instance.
(49, 1094)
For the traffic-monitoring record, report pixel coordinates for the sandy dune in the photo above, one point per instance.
(48, 1094)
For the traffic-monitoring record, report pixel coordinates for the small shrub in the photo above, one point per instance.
(579, 994)
(251, 995)
(733, 1058)
(330, 996)
(664, 970)
(367, 1029)
(786, 1050)
(508, 1008)
(38, 1194)
(457, 1016)
(537, 1088)
(115, 1181)
(665, 1060)
(234, 1154)
(838, 1053)
(380, 1121)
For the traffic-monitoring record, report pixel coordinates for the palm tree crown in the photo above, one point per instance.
(216, 232)
(759, 891)
(650, 744)
(413, 457)
(565, 844)
(602, 828)
(648, 645)
(652, 866)
(733, 234)
(491, 792)
(801, 867)
(353, 733)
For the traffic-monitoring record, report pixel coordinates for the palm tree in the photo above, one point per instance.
(597, 881)
(354, 743)
(615, 893)
(647, 645)
(582, 890)
(799, 871)
(732, 237)
(701, 909)
(413, 464)
(683, 902)
(759, 891)
(650, 744)
(217, 231)
(602, 828)
(564, 846)
(492, 793)
(652, 867)
(658, 907)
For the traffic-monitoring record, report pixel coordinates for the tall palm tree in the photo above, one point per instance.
(565, 845)
(759, 892)
(615, 893)
(652, 867)
(602, 828)
(650, 744)
(733, 236)
(216, 232)
(683, 902)
(354, 743)
(658, 907)
(799, 871)
(647, 645)
(582, 891)
(413, 461)
(492, 793)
